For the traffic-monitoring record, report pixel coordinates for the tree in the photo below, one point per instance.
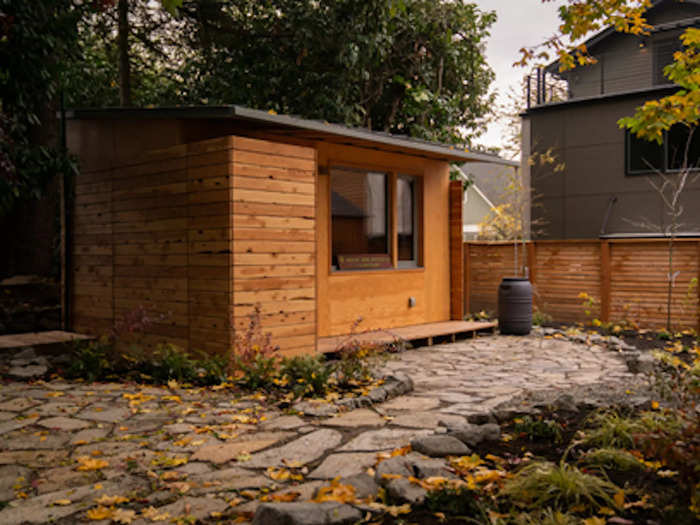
(413, 67)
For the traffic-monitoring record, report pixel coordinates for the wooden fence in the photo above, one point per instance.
(626, 277)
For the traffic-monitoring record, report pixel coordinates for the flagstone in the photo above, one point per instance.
(344, 465)
(404, 403)
(11, 475)
(64, 424)
(362, 417)
(302, 450)
(383, 439)
(105, 414)
(429, 420)
(89, 435)
(18, 404)
(14, 424)
(224, 452)
(32, 458)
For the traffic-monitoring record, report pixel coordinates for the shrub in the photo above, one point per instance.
(254, 359)
(611, 458)
(542, 484)
(454, 501)
(357, 362)
(536, 429)
(91, 359)
(608, 429)
(306, 375)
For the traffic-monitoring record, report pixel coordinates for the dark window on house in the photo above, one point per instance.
(644, 157)
(359, 218)
(676, 145)
(663, 56)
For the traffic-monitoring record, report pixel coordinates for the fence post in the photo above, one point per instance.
(467, 279)
(605, 281)
(697, 310)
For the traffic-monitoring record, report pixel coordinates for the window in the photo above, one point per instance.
(407, 220)
(644, 157)
(663, 56)
(374, 219)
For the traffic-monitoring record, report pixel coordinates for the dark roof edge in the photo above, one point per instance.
(451, 153)
(601, 98)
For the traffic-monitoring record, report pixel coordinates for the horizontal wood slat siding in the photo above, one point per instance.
(139, 241)
(198, 235)
(273, 241)
(627, 277)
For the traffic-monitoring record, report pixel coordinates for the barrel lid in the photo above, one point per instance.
(516, 279)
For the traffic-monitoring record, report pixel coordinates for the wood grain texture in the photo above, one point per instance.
(626, 277)
(456, 251)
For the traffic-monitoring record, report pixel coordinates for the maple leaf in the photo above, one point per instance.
(100, 513)
(111, 500)
(336, 492)
(123, 515)
(154, 514)
(86, 463)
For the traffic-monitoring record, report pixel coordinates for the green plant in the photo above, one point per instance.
(211, 369)
(540, 318)
(543, 483)
(589, 303)
(171, 362)
(611, 458)
(608, 429)
(91, 359)
(538, 429)
(306, 375)
(454, 501)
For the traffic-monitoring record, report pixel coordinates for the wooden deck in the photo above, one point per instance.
(52, 337)
(424, 333)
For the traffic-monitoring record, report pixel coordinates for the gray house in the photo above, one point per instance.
(604, 189)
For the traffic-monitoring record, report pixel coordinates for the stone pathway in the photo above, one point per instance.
(69, 451)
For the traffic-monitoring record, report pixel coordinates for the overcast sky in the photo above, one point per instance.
(520, 23)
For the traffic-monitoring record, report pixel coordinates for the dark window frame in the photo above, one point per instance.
(392, 177)
(666, 164)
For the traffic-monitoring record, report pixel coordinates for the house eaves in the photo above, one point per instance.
(655, 91)
(292, 126)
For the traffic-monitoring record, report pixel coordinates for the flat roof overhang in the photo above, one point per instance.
(286, 125)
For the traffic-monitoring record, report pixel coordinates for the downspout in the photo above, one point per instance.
(604, 226)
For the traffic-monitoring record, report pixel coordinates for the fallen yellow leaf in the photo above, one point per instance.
(85, 463)
(100, 513)
(110, 500)
(62, 502)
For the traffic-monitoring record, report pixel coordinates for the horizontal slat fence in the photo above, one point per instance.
(626, 277)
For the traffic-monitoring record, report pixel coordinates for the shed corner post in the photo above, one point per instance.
(697, 289)
(456, 251)
(605, 278)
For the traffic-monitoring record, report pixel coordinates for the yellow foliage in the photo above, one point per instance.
(86, 463)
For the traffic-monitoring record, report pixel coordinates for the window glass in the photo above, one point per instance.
(359, 219)
(676, 143)
(644, 156)
(406, 217)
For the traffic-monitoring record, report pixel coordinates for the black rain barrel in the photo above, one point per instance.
(515, 306)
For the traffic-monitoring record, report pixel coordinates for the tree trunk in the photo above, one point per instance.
(123, 44)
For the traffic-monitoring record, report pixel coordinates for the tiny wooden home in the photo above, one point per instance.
(199, 214)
